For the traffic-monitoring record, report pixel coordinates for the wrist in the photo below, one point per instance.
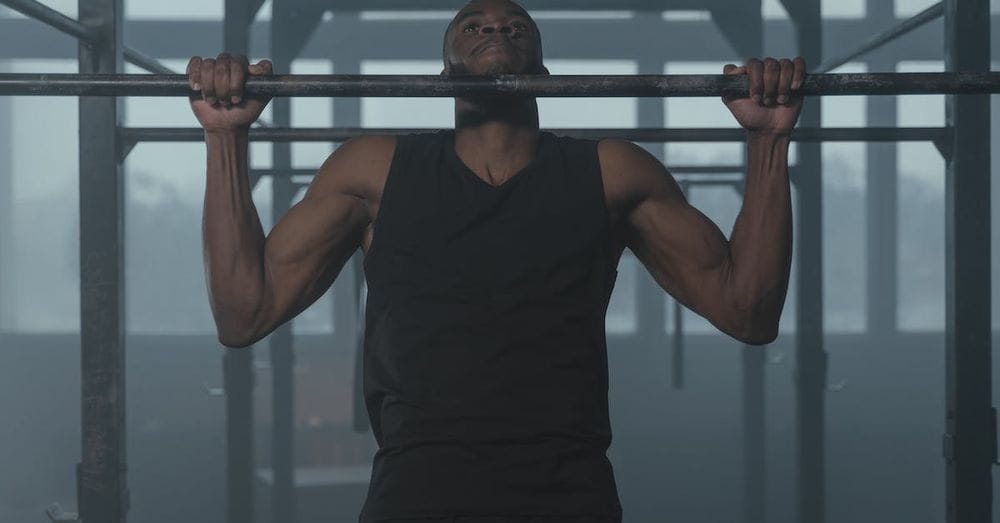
(769, 137)
(227, 131)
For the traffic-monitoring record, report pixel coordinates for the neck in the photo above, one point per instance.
(496, 138)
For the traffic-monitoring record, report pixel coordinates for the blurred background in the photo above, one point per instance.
(681, 403)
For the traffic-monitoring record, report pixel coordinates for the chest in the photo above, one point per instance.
(615, 199)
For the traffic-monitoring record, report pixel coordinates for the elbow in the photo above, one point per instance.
(232, 342)
(235, 334)
(763, 335)
(758, 330)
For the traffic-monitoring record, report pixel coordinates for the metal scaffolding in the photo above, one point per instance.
(969, 443)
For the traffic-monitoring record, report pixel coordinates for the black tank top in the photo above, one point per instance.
(485, 358)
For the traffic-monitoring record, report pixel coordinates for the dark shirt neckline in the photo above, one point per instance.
(456, 161)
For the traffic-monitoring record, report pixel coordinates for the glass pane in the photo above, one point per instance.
(845, 215)
(588, 112)
(699, 112)
(921, 280)
(174, 10)
(41, 268)
(436, 113)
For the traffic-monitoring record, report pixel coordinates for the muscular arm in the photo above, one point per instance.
(255, 283)
(739, 284)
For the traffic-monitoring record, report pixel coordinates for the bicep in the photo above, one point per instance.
(683, 250)
(308, 247)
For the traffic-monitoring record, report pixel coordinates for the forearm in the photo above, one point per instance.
(233, 238)
(761, 241)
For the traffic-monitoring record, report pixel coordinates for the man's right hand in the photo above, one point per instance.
(222, 105)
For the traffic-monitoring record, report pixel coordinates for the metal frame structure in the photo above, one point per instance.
(969, 444)
(563, 86)
(102, 487)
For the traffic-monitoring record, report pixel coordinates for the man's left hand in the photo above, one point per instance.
(773, 105)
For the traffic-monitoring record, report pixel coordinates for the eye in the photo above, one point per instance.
(473, 28)
(518, 26)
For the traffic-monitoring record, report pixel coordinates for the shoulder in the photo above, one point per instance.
(633, 172)
(358, 166)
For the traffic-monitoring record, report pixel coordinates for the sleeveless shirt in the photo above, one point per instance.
(485, 359)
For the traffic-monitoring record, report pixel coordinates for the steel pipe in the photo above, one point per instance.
(51, 17)
(931, 13)
(505, 85)
(132, 135)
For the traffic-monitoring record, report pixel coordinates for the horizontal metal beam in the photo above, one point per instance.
(690, 173)
(831, 134)
(931, 13)
(526, 85)
(49, 16)
(531, 5)
(644, 37)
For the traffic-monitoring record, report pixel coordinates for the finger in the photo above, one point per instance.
(194, 73)
(264, 67)
(732, 69)
(237, 77)
(785, 81)
(222, 64)
(772, 73)
(208, 80)
(755, 73)
(800, 73)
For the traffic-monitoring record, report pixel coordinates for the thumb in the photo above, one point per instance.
(733, 69)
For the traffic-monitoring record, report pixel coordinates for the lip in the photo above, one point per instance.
(491, 45)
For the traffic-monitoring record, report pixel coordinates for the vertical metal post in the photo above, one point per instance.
(6, 198)
(882, 182)
(101, 475)
(970, 420)
(811, 358)
(754, 444)
(283, 500)
(237, 365)
(650, 300)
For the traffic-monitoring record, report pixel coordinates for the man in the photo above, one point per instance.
(490, 256)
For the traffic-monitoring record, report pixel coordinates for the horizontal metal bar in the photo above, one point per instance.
(711, 175)
(703, 182)
(51, 17)
(707, 169)
(506, 85)
(931, 13)
(546, 5)
(651, 135)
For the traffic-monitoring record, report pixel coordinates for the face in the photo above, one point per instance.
(491, 37)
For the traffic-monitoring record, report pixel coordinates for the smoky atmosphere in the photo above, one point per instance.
(449, 261)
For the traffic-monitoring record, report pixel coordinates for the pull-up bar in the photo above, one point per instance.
(505, 85)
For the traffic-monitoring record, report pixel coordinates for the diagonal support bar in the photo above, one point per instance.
(931, 13)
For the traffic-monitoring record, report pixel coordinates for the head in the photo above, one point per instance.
(491, 37)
